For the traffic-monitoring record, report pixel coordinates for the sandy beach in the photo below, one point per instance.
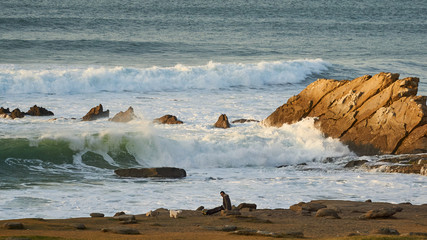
(410, 221)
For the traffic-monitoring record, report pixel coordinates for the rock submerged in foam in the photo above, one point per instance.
(378, 114)
(222, 122)
(168, 119)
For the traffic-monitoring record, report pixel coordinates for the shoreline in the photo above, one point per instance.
(298, 221)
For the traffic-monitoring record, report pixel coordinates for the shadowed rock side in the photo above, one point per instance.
(96, 113)
(378, 114)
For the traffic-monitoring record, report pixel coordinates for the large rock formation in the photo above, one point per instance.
(163, 172)
(378, 114)
(96, 113)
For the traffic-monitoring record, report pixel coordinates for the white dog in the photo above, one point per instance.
(174, 213)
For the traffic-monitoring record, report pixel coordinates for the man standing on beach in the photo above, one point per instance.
(226, 205)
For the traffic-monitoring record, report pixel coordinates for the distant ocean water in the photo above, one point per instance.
(196, 60)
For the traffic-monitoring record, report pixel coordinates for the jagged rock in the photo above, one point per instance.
(372, 114)
(164, 172)
(39, 111)
(96, 113)
(168, 119)
(222, 122)
(97, 215)
(126, 116)
(244, 120)
(328, 213)
(247, 205)
(13, 225)
(16, 113)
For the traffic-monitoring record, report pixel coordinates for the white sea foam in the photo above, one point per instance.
(61, 80)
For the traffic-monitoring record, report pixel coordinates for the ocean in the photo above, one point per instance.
(195, 60)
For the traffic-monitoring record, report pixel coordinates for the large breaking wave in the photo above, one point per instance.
(69, 79)
(113, 148)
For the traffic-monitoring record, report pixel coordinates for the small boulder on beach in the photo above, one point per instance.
(97, 215)
(327, 213)
(307, 207)
(381, 213)
(247, 205)
(79, 226)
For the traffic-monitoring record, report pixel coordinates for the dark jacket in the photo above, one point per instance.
(226, 203)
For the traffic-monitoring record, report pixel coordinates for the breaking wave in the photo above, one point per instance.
(71, 80)
(253, 146)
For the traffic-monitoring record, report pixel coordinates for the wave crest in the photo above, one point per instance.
(70, 80)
